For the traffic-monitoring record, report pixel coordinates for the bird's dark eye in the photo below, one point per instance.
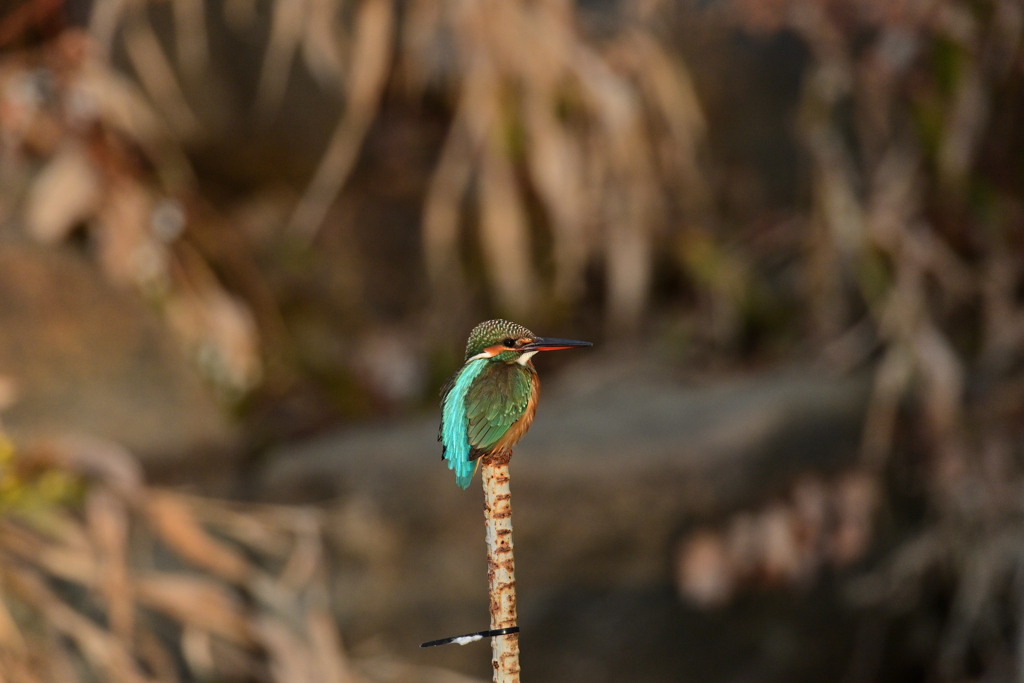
(510, 343)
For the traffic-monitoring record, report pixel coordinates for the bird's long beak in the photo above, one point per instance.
(552, 344)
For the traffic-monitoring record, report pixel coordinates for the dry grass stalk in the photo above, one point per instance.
(282, 631)
(892, 207)
(597, 133)
(369, 64)
(908, 260)
(157, 75)
(98, 138)
(535, 95)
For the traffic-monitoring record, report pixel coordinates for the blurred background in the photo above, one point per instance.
(242, 243)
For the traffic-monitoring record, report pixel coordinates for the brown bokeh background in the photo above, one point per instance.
(242, 243)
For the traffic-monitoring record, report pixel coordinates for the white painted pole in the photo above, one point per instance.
(501, 574)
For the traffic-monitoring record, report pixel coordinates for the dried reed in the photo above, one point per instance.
(247, 585)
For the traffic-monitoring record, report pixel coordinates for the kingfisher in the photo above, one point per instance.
(489, 403)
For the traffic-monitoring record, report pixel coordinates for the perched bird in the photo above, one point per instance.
(489, 403)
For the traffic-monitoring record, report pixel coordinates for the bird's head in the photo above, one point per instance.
(506, 342)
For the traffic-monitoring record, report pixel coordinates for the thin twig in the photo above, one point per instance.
(370, 64)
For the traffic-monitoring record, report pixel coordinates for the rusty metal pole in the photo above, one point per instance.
(501, 574)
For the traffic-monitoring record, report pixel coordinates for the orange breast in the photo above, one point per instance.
(522, 425)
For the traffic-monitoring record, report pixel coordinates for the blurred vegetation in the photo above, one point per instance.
(104, 578)
(320, 196)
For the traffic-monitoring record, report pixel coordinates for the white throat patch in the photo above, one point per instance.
(525, 358)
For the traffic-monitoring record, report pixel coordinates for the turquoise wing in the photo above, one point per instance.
(478, 406)
(455, 445)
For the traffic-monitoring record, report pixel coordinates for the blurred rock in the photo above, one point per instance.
(621, 460)
(88, 357)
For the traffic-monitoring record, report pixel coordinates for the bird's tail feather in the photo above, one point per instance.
(464, 473)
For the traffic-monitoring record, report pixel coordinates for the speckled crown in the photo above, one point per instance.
(493, 332)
